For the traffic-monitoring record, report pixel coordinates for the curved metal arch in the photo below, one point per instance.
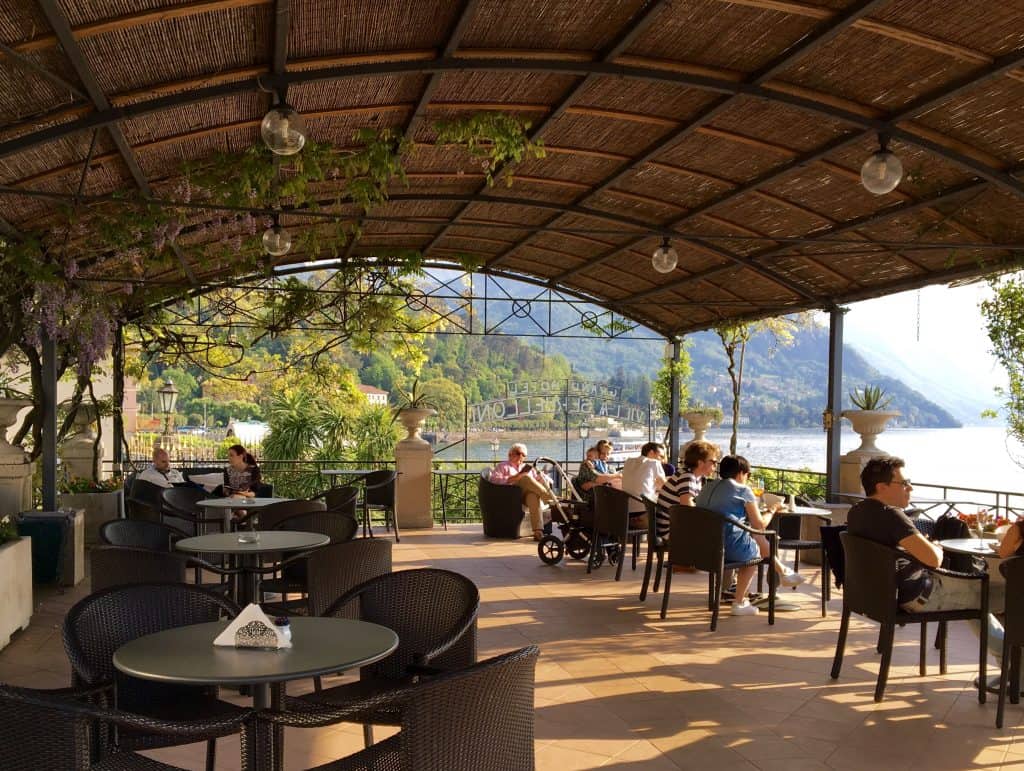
(582, 69)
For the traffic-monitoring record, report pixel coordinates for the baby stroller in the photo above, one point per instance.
(571, 533)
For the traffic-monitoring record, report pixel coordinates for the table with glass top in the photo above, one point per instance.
(249, 550)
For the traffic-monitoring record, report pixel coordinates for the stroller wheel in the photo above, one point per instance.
(578, 545)
(550, 549)
(596, 558)
(614, 553)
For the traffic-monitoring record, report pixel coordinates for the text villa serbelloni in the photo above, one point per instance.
(545, 397)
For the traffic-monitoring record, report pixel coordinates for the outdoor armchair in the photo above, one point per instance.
(1013, 633)
(56, 729)
(696, 538)
(612, 521)
(434, 614)
(379, 495)
(142, 534)
(501, 508)
(120, 565)
(656, 547)
(179, 507)
(870, 589)
(99, 624)
(479, 718)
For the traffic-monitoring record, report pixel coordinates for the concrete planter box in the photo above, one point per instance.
(98, 507)
(15, 587)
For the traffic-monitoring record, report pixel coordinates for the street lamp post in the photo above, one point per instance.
(584, 435)
(495, 444)
(168, 399)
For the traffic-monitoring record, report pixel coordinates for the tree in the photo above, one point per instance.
(734, 339)
(1004, 323)
(661, 391)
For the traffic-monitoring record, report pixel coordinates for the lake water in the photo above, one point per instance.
(970, 457)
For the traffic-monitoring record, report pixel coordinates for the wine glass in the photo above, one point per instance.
(757, 486)
(981, 521)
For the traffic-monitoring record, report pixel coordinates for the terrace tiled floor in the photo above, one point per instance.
(619, 688)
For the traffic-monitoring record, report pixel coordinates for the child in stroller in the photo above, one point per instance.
(571, 532)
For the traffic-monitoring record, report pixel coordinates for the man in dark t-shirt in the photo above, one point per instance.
(881, 518)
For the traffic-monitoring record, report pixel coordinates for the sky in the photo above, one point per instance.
(934, 336)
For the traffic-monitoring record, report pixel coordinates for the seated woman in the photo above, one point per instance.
(242, 476)
(698, 460)
(731, 496)
(604, 471)
(535, 488)
(587, 476)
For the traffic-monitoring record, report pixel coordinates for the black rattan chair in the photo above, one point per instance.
(340, 528)
(501, 509)
(656, 547)
(696, 538)
(340, 499)
(611, 521)
(142, 500)
(432, 611)
(870, 589)
(56, 730)
(120, 565)
(1013, 633)
(788, 528)
(156, 536)
(335, 570)
(479, 718)
(179, 507)
(101, 623)
(269, 516)
(379, 495)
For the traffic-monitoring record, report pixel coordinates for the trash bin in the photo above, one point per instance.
(50, 531)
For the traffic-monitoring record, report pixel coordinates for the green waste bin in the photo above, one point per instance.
(49, 532)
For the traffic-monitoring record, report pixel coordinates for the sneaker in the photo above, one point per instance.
(744, 609)
(791, 579)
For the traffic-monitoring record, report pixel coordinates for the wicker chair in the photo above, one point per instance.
(269, 516)
(379, 495)
(120, 565)
(340, 528)
(479, 718)
(611, 521)
(656, 547)
(870, 589)
(98, 625)
(141, 534)
(179, 507)
(335, 570)
(340, 499)
(696, 538)
(788, 528)
(432, 611)
(55, 730)
(142, 501)
(501, 508)
(1013, 633)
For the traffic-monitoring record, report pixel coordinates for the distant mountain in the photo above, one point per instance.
(782, 386)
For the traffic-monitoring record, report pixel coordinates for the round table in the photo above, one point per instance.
(227, 505)
(270, 541)
(973, 546)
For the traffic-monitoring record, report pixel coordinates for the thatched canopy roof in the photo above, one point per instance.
(738, 128)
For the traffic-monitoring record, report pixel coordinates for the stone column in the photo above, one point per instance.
(414, 462)
(15, 467)
(869, 424)
(78, 453)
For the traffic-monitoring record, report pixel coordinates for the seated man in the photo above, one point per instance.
(643, 476)
(516, 471)
(880, 517)
(159, 472)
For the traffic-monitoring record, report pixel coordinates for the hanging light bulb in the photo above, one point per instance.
(882, 171)
(283, 130)
(276, 240)
(665, 258)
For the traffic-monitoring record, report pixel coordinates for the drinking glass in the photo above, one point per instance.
(252, 535)
(981, 520)
(757, 486)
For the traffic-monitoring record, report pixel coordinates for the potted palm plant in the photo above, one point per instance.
(412, 409)
(16, 580)
(870, 417)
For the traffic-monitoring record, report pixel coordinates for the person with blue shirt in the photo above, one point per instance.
(731, 496)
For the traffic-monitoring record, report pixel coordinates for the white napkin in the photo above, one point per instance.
(250, 614)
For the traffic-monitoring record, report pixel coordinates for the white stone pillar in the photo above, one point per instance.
(869, 424)
(15, 467)
(414, 459)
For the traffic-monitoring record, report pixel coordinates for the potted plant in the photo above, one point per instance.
(870, 417)
(700, 418)
(100, 500)
(16, 580)
(412, 409)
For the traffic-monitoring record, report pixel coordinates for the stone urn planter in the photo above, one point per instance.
(699, 422)
(412, 420)
(869, 424)
(15, 587)
(78, 451)
(15, 467)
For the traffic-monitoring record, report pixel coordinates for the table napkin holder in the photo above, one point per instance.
(252, 629)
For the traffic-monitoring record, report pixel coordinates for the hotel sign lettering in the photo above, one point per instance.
(533, 398)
